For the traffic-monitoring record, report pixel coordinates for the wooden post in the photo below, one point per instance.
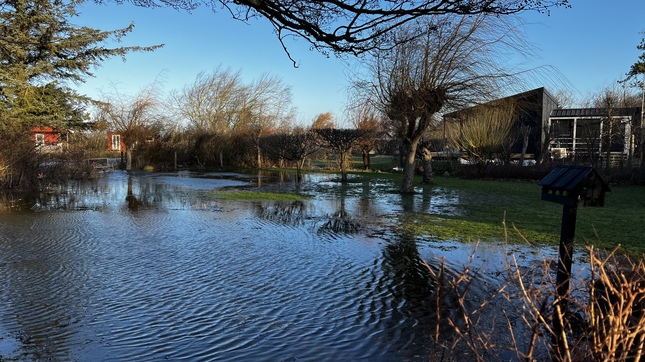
(570, 186)
(563, 279)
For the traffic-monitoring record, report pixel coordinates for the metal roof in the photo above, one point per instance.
(566, 177)
(531, 93)
(570, 185)
(594, 112)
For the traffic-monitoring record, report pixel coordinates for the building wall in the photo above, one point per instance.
(115, 142)
(50, 136)
(533, 108)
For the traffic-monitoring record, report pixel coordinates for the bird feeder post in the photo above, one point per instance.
(563, 276)
(570, 186)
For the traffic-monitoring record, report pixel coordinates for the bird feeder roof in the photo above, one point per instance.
(568, 184)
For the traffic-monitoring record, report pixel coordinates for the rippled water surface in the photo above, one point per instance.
(144, 267)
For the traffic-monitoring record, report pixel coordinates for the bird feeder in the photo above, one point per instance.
(570, 186)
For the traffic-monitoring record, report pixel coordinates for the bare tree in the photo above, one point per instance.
(456, 61)
(565, 98)
(612, 137)
(341, 142)
(266, 103)
(295, 146)
(352, 26)
(136, 118)
(219, 105)
(209, 107)
(367, 119)
(210, 102)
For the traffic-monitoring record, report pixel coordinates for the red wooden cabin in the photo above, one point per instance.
(45, 135)
(115, 142)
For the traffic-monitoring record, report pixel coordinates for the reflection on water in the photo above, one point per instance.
(143, 266)
(286, 212)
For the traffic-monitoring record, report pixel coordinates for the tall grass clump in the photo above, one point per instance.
(604, 320)
(616, 313)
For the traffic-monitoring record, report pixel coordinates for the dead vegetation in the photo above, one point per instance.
(604, 321)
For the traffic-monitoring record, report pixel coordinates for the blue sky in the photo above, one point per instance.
(591, 45)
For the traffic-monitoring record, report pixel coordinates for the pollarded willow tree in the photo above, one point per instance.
(367, 119)
(451, 62)
(353, 26)
(294, 146)
(341, 142)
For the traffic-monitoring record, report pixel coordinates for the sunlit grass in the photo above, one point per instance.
(485, 205)
(243, 195)
(459, 229)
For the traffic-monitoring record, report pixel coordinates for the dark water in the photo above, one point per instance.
(147, 267)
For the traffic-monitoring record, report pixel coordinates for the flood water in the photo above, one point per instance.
(151, 266)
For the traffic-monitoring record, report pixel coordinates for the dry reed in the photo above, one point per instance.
(605, 320)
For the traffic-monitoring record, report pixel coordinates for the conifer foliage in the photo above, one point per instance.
(40, 52)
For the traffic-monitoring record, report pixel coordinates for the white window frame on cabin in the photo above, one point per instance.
(40, 139)
(116, 142)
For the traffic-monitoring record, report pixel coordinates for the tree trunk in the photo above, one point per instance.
(366, 159)
(427, 166)
(525, 145)
(221, 159)
(128, 159)
(609, 137)
(259, 157)
(299, 165)
(343, 168)
(408, 167)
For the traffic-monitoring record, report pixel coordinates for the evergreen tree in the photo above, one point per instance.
(40, 52)
(638, 67)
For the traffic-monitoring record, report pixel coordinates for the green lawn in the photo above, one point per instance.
(488, 204)
(243, 195)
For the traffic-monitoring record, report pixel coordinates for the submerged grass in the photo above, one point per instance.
(485, 206)
(246, 195)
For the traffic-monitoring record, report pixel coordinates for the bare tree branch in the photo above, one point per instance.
(350, 27)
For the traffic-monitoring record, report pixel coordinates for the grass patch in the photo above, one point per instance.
(453, 228)
(377, 162)
(257, 196)
(486, 204)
